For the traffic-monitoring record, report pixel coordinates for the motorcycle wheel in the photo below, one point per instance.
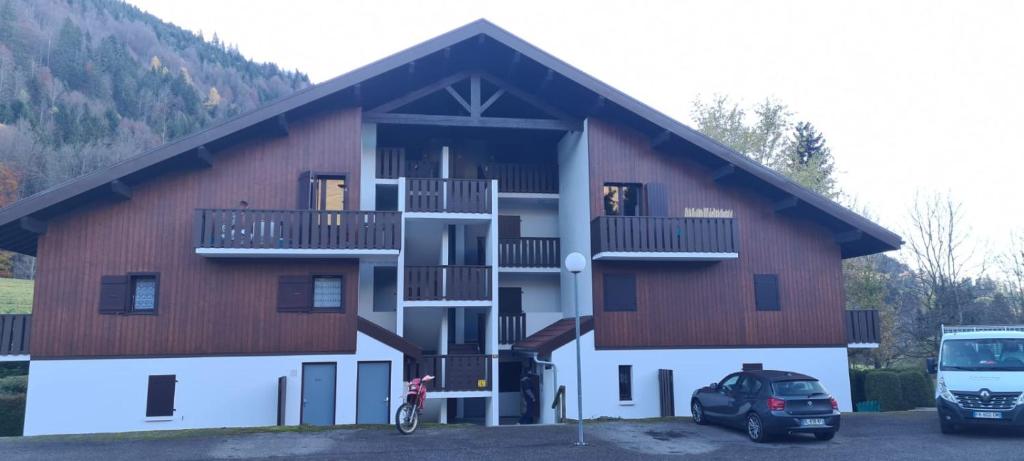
(406, 419)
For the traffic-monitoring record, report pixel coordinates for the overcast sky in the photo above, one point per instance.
(911, 96)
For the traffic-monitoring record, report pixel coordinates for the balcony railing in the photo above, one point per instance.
(297, 229)
(14, 333)
(391, 164)
(523, 177)
(447, 283)
(511, 328)
(528, 252)
(652, 234)
(453, 372)
(448, 195)
(863, 326)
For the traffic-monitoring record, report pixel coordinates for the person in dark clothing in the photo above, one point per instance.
(528, 399)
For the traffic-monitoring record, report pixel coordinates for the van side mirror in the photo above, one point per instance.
(932, 365)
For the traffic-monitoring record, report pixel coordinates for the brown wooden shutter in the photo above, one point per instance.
(619, 292)
(657, 199)
(160, 398)
(305, 185)
(766, 292)
(509, 226)
(510, 300)
(294, 293)
(114, 293)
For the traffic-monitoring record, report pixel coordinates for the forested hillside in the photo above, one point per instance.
(85, 83)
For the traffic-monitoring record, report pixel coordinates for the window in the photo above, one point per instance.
(622, 199)
(143, 293)
(136, 293)
(766, 292)
(750, 385)
(729, 383)
(509, 374)
(305, 293)
(160, 396)
(619, 292)
(327, 292)
(328, 192)
(625, 383)
(385, 288)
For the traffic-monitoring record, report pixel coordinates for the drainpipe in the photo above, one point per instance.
(554, 373)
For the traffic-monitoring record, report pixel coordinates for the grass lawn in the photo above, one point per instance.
(15, 296)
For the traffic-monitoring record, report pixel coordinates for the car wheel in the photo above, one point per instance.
(824, 435)
(755, 428)
(947, 427)
(697, 410)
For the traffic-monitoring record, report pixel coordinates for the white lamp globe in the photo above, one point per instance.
(575, 262)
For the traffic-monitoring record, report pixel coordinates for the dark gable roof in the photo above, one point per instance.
(554, 336)
(477, 45)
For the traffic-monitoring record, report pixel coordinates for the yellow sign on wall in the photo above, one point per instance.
(481, 383)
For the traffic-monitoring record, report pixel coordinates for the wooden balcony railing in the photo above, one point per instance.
(523, 177)
(528, 252)
(863, 326)
(511, 328)
(660, 234)
(438, 283)
(453, 372)
(297, 229)
(391, 164)
(14, 333)
(448, 195)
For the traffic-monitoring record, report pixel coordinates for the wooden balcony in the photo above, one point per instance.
(863, 328)
(392, 164)
(656, 238)
(448, 195)
(296, 233)
(529, 253)
(511, 328)
(15, 330)
(448, 283)
(523, 177)
(453, 372)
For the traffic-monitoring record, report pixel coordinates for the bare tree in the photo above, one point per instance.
(1013, 268)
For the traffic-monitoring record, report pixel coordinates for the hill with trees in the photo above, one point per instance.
(85, 83)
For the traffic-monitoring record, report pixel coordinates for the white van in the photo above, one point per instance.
(980, 376)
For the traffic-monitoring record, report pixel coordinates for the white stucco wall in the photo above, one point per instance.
(385, 319)
(538, 220)
(109, 395)
(692, 369)
(574, 215)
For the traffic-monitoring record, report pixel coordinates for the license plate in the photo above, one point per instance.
(988, 414)
(812, 422)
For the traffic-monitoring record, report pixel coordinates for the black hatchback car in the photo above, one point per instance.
(768, 403)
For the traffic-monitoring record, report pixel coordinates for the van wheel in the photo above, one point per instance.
(947, 427)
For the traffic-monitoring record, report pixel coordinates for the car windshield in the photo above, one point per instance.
(804, 387)
(997, 354)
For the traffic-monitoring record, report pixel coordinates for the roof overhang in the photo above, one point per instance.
(479, 45)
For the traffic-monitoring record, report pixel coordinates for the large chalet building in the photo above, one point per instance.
(296, 264)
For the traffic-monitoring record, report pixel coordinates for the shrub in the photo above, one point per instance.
(13, 385)
(12, 414)
(13, 369)
(884, 386)
(917, 389)
(857, 385)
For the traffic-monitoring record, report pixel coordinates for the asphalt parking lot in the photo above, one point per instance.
(908, 435)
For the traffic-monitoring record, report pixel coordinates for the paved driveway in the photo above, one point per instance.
(912, 435)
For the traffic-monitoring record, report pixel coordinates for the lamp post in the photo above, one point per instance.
(575, 263)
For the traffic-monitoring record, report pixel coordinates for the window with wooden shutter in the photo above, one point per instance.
(114, 293)
(619, 292)
(293, 293)
(657, 199)
(160, 397)
(145, 291)
(766, 292)
(305, 187)
(328, 292)
(625, 383)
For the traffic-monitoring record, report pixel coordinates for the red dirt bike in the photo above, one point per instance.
(408, 415)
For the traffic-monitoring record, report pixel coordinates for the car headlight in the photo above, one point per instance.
(1020, 399)
(944, 392)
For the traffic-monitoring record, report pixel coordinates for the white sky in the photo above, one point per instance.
(911, 96)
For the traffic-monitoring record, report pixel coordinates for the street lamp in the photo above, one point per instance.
(575, 263)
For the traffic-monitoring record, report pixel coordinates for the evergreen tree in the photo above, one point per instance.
(809, 161)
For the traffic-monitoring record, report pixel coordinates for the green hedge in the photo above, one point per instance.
(917, 389)
(13, 369)
(12, 414)
(857, 376)
(13, 385)
(884, 386)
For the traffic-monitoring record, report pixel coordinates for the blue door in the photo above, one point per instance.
(319, 381)
(373, 393)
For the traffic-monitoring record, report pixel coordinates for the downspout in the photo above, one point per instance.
(554, 374)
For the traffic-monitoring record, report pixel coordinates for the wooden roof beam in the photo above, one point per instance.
(121, 190)
(725, 173)
(279, 126)
(32, 225)
(849, 236)
(787, 204)
(481, 122)
(204, 157)
(660, 139)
